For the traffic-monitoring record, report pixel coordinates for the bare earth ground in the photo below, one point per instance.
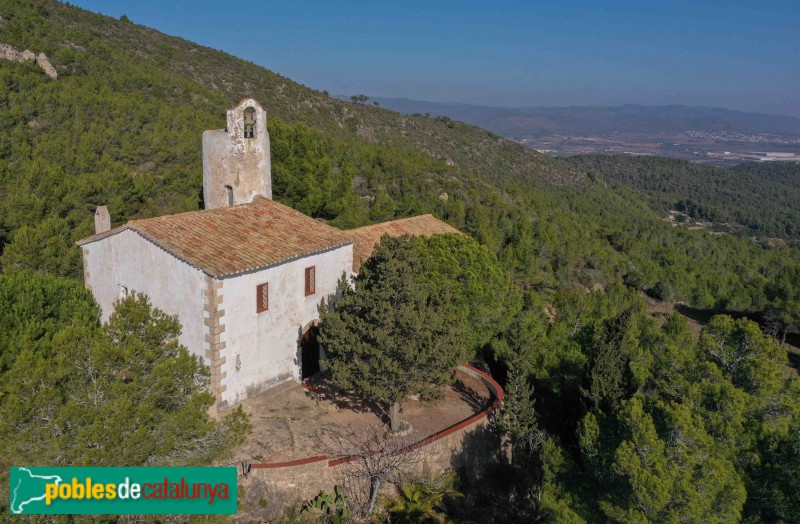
(286, 419)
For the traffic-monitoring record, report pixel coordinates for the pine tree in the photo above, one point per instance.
(388, 335)
(126, 393)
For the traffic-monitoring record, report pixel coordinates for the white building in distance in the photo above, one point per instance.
(245, 275)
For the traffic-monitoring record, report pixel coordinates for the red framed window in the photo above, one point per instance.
(262, 298)
(311, 280)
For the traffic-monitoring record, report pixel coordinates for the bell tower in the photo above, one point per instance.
(236, 160)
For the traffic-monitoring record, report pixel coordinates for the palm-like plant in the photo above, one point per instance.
(422, 501)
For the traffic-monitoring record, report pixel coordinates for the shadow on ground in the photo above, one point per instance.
(346, 400)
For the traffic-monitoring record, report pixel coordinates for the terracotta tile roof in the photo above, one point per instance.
(366, 237)
(236, 239)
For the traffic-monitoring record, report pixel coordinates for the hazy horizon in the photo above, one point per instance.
(741, 57)
(553, 106)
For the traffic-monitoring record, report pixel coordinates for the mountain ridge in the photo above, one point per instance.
(586, 120)
(235, 78)
(121, 127)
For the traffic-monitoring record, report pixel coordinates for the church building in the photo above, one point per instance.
(245, 275)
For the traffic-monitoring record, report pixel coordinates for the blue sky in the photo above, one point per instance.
(741, 55)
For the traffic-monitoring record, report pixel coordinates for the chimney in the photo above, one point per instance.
(102, 220)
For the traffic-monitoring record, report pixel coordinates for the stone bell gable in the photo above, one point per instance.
(236, 160)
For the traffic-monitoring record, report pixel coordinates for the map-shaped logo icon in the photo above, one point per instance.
(28, 490)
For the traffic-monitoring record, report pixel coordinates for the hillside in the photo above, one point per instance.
(216, 76)
(590, 120)
(761, 199)
(612, 412)
(122, 125)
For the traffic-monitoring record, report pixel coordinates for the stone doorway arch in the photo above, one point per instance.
(309, 350)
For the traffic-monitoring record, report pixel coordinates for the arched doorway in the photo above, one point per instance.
(309, 353)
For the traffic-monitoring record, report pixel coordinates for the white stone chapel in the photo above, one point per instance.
(245, 275)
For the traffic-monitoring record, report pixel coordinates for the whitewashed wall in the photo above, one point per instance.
(267, 342)
(127, 259)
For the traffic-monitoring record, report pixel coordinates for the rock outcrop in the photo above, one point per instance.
(46, 66)
(12, 54)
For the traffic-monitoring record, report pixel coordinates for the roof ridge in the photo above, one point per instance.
(396, 220)
(236, 239)
(247, 237)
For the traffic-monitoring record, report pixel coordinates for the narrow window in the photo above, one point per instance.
(262, 298)
(311, 280)
(249, 122)
(123, 292)
(229, 195)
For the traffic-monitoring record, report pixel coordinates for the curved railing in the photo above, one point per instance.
(494, 402)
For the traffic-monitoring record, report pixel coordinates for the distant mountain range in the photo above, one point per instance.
(589, 120)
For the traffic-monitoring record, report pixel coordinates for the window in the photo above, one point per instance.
(229, 195)
(262, 298)
(123, 292)
(311, 280)
(249, 122)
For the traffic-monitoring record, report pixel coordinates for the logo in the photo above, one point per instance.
(118, 491)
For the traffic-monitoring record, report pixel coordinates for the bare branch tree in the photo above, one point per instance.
(368, 458)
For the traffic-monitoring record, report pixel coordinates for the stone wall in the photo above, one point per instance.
(237, 159)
